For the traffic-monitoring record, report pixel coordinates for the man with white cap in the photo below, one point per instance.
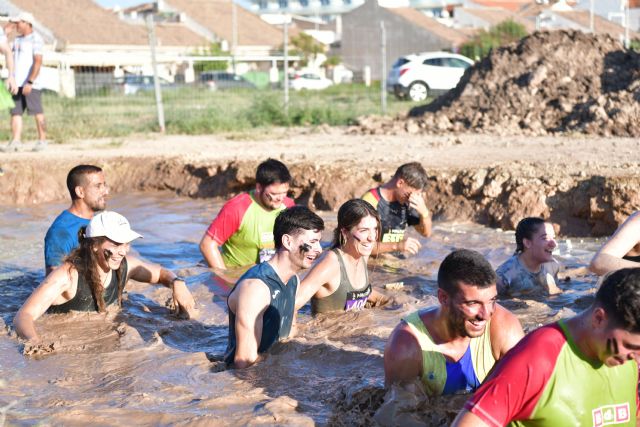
(94, 276)
(27, 58)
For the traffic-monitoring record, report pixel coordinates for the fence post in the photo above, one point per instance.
(383, 74)
(285, 66)
(156, 79)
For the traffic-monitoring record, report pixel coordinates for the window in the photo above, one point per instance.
(456, 63)
(304, 3)
(325, 2)
(435, 62)
(400, 62)
(263, 4)
(283, 3)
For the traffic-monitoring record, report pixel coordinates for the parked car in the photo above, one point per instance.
(310, 81)
(215, 80)
(132, 84)
(420, 75)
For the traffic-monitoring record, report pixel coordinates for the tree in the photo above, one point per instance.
(307, 47)
(500, 35)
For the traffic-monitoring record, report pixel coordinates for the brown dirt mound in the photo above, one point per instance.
(549, 82)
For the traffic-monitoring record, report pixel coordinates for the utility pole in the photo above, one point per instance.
(592, 26)
(383, 71)
(627, 42)
(234, 34)
(156, 79)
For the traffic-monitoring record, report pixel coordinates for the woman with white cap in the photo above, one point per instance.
(94, 276)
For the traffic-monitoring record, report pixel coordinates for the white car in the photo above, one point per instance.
(418, 76)
(310, 81)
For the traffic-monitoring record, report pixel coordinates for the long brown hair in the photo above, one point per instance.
(85, 261)
(349, 215)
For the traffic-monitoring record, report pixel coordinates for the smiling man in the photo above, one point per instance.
(452, 347)
(244, 227)
(400, 203)
(88, 191)
(261, 305)
(581, 371)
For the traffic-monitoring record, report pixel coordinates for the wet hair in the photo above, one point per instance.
(466, 266)
(413, 174)
(272, 171)
(619, 296)
(77, 177)
(85, 261)
(293, 220)
(525, 229)
(349, 215)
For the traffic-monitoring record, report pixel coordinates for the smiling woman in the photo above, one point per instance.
(340, 281)
(532, 268)
(95, 274)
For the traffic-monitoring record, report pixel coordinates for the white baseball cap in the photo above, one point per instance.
(23, 16)
(111, 225)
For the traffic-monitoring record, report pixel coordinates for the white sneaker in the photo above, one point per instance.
(12, 146)
(40, 145)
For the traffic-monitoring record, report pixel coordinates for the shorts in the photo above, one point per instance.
(31, 102)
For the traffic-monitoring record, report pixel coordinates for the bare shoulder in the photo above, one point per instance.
(504, 319)
(506, 331)
(402, 356)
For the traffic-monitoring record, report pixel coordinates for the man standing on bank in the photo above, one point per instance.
(261, 305)
(88, 191)
(244, 227)
(27, 58)
(399, 203)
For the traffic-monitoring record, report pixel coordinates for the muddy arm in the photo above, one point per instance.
(609, 257)
(250, 300)
(211, 252)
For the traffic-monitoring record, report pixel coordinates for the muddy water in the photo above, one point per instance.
(142, 365)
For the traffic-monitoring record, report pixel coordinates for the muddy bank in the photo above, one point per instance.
(580, 203)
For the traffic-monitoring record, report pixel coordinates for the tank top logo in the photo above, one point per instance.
(611, 414)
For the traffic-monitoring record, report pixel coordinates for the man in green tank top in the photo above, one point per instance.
(452, 347)
(581, 371)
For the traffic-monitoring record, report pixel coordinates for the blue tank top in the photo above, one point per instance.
(277, 318)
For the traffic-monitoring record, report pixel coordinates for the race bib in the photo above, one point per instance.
(267, 247)
(393, 236)
(357, 299)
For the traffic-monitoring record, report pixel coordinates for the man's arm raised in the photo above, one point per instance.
(609, 257)
(402, 356)
(249, 302)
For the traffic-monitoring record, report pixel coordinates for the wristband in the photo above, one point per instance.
(29, 82)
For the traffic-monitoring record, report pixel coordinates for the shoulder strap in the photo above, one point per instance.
(482, 354)
(434, 365)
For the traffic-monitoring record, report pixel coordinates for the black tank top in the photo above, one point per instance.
(634, 258)
(277, 318)
(84, 301)
(345, 297)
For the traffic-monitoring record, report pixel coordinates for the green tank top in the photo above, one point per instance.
(434, 364)
(345, 297)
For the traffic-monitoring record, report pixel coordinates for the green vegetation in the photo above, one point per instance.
(500, 35)
(214, 49)
(192, 110)
(635, 44)
(306, 47)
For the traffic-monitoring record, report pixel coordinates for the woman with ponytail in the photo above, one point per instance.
(532, 267)
(94, 275)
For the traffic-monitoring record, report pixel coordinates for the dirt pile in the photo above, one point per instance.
(549, 82)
